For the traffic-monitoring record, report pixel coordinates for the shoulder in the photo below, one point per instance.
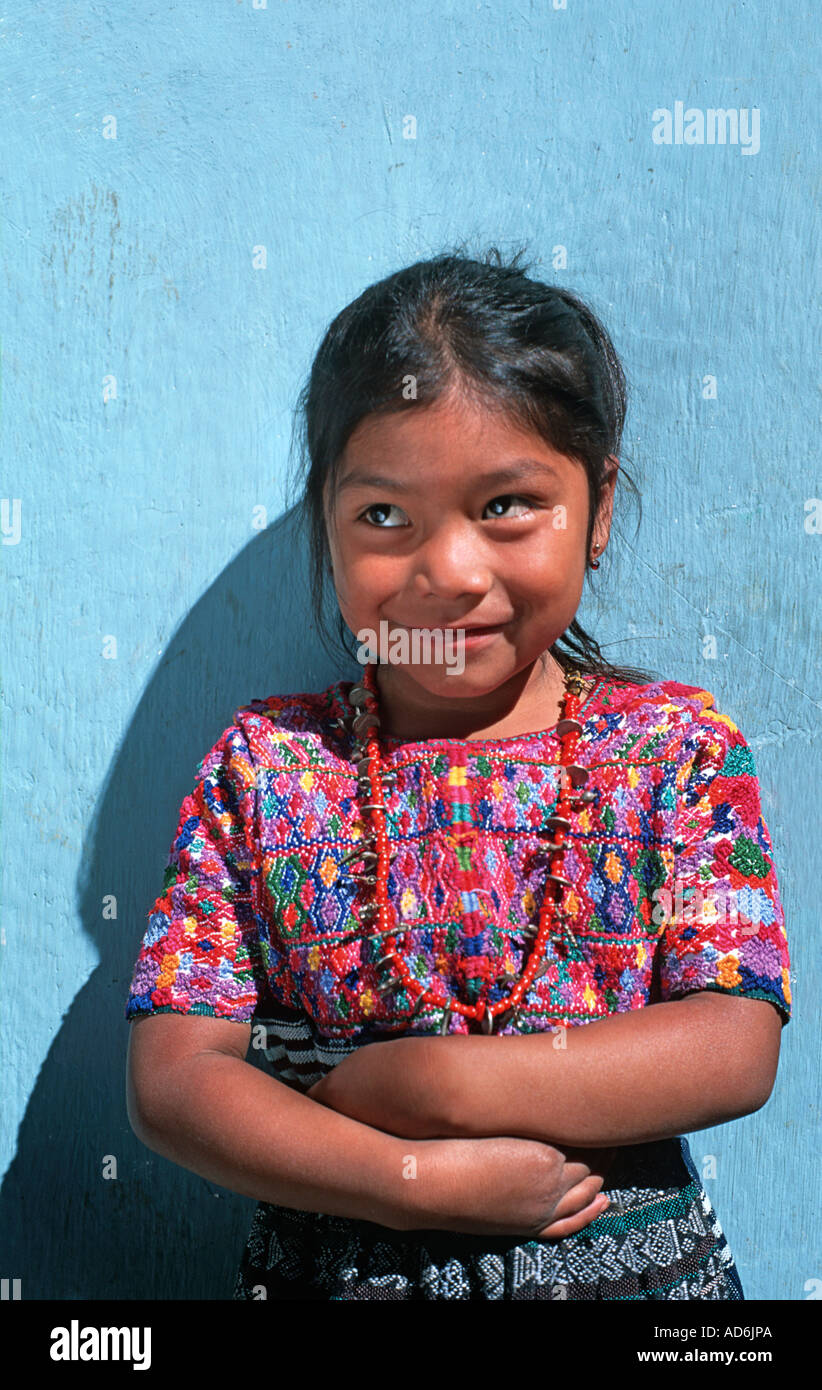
(672, 712)
(299, 726)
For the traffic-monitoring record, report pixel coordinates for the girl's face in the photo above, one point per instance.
(453, 516)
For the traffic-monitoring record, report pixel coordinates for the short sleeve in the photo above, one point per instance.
(726, 930)
(200, 953)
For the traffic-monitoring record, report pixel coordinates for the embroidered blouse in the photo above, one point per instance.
(673, 885)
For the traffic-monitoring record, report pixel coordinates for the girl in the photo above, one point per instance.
(489, 839)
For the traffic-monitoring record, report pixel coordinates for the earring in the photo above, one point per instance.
(595, 563)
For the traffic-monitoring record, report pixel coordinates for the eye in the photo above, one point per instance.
(508, 497)
(380, 507)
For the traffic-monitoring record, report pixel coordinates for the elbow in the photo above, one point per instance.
(758, 1063)
(755, 1092)
(141, 1114)
(762, 1095)
(139, 1123)
(735, 1094)
(754, 1103)
(150, 1132)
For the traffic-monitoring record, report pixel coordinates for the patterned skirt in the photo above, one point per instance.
(659, 1239)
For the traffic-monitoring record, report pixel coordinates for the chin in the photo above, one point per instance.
(474, 678)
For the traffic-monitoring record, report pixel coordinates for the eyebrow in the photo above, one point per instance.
(518, 470)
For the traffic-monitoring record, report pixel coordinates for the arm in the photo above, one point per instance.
(650, 1074)
(193, 1098)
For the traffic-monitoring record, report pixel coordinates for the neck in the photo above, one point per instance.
(530, 701)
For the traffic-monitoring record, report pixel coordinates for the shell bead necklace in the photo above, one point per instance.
(373, 850)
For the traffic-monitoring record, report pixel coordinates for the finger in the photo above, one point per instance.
(574, 1173)
(571, 1224)
(596, 1162)
(579, 1196)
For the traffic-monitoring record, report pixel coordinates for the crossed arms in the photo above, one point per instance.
(652, 1073)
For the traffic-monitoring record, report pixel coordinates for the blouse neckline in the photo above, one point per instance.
(397, 741)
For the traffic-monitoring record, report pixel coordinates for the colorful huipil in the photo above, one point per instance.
(672, 890)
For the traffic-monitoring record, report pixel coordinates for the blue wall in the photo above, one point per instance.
(133, 258)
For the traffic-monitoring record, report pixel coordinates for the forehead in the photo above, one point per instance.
(518, 471)
(464, 439)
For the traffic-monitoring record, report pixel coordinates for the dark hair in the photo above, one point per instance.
(536, 351)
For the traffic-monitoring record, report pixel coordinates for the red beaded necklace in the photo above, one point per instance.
(377, 856)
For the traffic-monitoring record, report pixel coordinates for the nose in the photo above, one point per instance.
(452, 561)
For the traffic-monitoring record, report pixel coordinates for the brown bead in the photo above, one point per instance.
(364, 722)
(577, 775)
(567, 726)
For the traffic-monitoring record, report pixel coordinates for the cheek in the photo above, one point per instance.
(357, 586)
(370, 577)
(339, 573)
(554, 565)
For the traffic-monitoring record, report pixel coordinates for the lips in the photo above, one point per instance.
(460, 627)
(467, 627)
(474, 628)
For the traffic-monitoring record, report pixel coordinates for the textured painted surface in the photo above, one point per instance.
(133, 258)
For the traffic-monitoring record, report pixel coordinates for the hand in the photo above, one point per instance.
(582, 1203)
(504, 1186)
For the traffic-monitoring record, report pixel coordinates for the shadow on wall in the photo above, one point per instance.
(155, 1230)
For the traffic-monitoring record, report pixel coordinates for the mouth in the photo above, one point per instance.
(477, 628)
(474, 629)
(473, 635)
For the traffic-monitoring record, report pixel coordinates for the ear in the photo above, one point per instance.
(602, 524)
